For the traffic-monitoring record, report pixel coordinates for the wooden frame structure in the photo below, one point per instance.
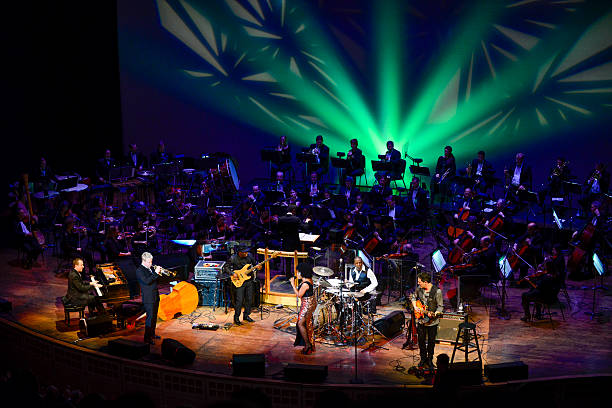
(279, 298)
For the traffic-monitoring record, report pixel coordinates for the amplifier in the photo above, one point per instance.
(208, 292)
(207, 270)
(449, 326)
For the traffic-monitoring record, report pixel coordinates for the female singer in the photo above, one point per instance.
(305, 331)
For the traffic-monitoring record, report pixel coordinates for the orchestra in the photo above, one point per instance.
(358, 224)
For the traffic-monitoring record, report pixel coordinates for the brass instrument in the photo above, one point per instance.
(316, 151)
(444, 176)
(468, 169)
(558, 170)
(595, 176)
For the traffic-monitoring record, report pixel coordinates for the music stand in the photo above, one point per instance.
(271, 156)
(601, 269)
(381, 166)
(339, 163)
(306, 158)
(528, 197)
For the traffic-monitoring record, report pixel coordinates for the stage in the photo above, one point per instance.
(576, 346)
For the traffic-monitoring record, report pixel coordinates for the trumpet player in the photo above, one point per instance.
(321, 153)
(595, 185)
(559, 173)
(445, 170)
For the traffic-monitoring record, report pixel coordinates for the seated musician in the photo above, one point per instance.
(349, 191)
(207, 197)
(321, 153)
(221, 230)
(468, 203)
(534, 241)
(257, 199)
(381, 190)
(519, 179)
(364, 279)
(355, 161)
(394, 157)
(79, 290)
(262, 231)
(558, 174)
(135, 158)
(115, 247)
(314, 188)
(596, 184)
(544, 287)
(416, 204)
(280, 184)
(294, 198)
(104, 166)
(446, 169)
(25, 237)
(361, 207)
(480, 170)
(393, 210)
(284, 163)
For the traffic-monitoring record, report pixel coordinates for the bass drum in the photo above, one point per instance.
(323, 315)
(225, 177)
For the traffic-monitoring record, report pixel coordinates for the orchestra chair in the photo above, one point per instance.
(400, 175)
(545, 307)
(68, 308)
(362, 166)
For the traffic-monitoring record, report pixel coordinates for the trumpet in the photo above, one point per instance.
(163, 271)
(559, 169)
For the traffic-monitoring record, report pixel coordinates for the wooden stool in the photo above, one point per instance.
(72, 308)
(466, 332)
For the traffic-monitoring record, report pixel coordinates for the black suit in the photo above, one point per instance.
(355, 163)
(136, 159)
(485, 174)
(27, 242)
(243, 296)
(446, 168)
(103, 168)
(323, 166)
(350, 199)
(525, 178)
(79, 293)
(288, 228)
(416, 206)
(395, 158)
(160, 157)
(147, 279)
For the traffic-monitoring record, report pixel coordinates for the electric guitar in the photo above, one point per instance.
(242, 275)
(421, 313)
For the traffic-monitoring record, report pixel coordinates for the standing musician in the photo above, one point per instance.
(284, 152)
(519, 179)
(446, 168)
(558, 174)
(304, 335)
(243, 294)
(355, 162)
(392, 156)
(321, 153)
(595, 185)
(480, 170)
(78, 290)
(42, 176)
(147, 279)
(104, 166)
(135, 158)
(430, 297)
(160, 155)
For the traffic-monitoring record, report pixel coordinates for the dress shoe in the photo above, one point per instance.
(156, 337)
(526, 318)
(237, 323)
(248, 319)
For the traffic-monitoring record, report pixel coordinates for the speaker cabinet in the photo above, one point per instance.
(128, 348)
(515, 370)
(249, 365)
(176, 352)
(97, 325)
(391, 325)
(463, 373)
(5, 306)
(305, 373)
(449, 326)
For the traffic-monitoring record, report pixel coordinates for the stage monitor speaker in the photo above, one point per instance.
(391, 325)
(449, 326)
(306, 373)
(463, 373)
(515, 370)
(128, 348)
(97, 325)
(176, 352)
(249, 365)
(5, 306)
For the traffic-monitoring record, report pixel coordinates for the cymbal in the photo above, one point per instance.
(322, 271)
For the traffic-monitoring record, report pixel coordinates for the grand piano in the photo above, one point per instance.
(115, 284)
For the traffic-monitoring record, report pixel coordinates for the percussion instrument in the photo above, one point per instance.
(224, 176)
(322, 271)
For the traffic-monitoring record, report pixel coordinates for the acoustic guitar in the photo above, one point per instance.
(242, 275)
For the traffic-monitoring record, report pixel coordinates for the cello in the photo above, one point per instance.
(465, 244)
(581, 246)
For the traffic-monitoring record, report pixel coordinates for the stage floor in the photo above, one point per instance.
(575, 346)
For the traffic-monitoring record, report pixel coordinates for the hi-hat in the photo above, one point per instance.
(322, 271)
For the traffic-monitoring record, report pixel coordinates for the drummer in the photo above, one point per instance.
(364, 278)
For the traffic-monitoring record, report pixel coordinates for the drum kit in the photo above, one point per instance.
(343, 315)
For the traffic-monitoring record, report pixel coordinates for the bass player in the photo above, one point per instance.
(244, 293)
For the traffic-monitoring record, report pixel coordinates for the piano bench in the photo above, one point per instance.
(73, 308)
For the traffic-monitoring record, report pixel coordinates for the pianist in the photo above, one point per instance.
(79, 290)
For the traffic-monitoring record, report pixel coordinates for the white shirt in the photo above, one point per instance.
(414, 198)
(516, 178)
(392, 212)
(373, 281)
(24, 228)
(479, 169)
(595, 187)
(313, 189)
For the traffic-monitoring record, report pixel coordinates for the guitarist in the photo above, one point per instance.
(427, 301)
(243, 294)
